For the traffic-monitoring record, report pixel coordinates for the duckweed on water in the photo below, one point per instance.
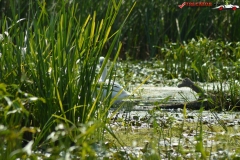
(167, 133)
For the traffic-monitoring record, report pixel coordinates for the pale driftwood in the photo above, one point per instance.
(204, 100)
(209, 101)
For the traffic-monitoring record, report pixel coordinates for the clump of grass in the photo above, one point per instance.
(54, 57)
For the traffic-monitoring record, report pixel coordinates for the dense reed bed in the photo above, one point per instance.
(150, 24)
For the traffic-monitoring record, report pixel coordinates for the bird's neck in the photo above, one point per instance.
(104, 74)
(196, 88)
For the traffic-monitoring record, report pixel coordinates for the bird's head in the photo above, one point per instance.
(186, 83)
(101, 60)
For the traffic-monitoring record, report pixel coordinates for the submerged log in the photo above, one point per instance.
(194, 105)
